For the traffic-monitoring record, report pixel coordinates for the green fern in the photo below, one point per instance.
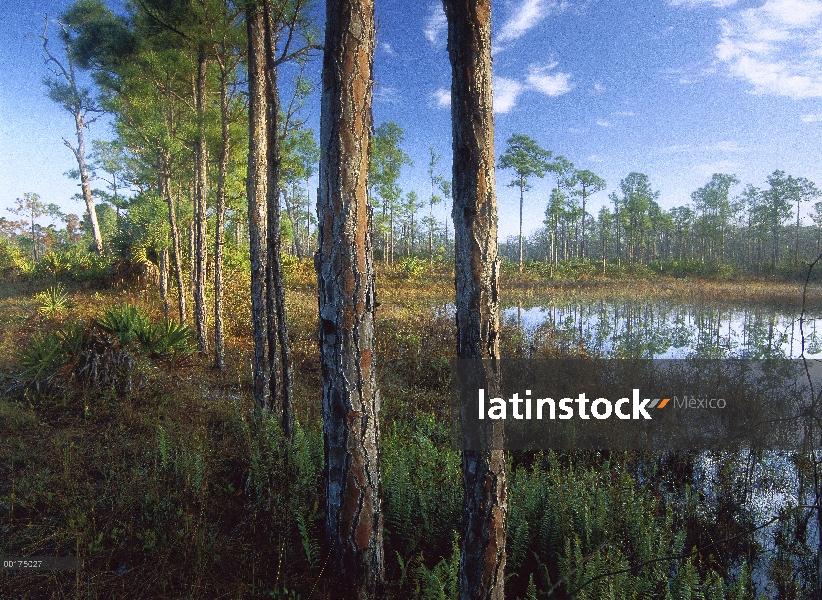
(309, 542)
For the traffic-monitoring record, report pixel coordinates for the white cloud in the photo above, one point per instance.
(386, 94)
(435, 24)
(595, 158)
(550, 84)
(603, 123)
(505, 94)
(817, 118)
(442, 98)
(777, 47)
(695, 3)
(525, 16)
(386, 48)
(623, 113)
(598, 89)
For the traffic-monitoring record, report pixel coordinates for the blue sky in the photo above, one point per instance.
(677, 89)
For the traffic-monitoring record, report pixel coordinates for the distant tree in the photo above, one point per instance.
(436, 184)
(713, 203)
(776, 207)
(78, 101)
(635, 204)
(410, 207)
(476, 269)
(299, 157)
(554, 214)
(385, 166)
(584, 184)
(683, 217)
(817, 220)
(72, 223)
(526, 159)
(606, 223)
(803, 190)
(30, 208)
(346, 286)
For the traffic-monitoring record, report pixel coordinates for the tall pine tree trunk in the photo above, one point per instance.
(256, 187)
(485, 507)
(279, 348)
(345, 274)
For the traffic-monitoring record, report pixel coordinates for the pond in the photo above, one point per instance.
(668, 329)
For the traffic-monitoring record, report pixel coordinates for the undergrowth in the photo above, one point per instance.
(173, 487)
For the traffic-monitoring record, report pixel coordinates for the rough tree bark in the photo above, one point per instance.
(257, 190)
(484, 514)
(345, 273)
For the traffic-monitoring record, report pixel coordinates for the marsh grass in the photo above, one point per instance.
(177, 489)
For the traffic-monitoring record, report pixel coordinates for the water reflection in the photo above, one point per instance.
(671, 330)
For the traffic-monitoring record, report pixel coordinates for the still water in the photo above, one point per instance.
(664, 329)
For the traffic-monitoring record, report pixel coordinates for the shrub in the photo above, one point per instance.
(53, 301)
(13, 260)
(45, 355)
(132, 326)
(413, 267)
(74, 264)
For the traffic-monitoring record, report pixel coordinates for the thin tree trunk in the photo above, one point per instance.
(521, 199)
(582, 241)
(346, 281)
(200, 190)
(391, 218)
(163, 285)
(85, 180)
(485, 507)
(176, 245)
(308, 218)
(796, 249)
(219, 234)
(256, 188)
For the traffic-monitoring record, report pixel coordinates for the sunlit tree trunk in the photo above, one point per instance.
(485, 507)
(219, 233)
(256, 187)
(345, 274)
